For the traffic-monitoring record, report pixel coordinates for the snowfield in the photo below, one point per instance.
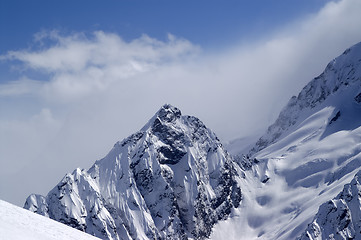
(19, 224)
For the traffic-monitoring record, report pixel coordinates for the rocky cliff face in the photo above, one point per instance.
(339, 218)
(170, 180)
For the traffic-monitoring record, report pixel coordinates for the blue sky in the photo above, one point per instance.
(209, 23)
(77, 76)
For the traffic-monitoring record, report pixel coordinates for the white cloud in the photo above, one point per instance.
(102, 88)
(77, 52)
(80, 65)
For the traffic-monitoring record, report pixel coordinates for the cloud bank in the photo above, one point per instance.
(97, 88)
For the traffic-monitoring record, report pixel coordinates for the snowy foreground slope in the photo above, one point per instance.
(304, 160)
(170, 180)
(18, 224)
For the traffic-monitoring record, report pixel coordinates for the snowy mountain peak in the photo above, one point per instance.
(172, 179)
(168, 113)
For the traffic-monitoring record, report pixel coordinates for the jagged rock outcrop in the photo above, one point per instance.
(170, 180)
(339, 218)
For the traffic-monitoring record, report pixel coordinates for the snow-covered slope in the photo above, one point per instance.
(305, 158)
(340, 75)
(170, 180)
(17, 224)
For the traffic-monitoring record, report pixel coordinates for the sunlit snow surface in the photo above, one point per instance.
(18, 224)
(309, 163)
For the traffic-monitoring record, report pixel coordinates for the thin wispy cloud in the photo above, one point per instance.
(99, 88)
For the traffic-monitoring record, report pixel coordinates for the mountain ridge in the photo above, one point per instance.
(338, 74)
